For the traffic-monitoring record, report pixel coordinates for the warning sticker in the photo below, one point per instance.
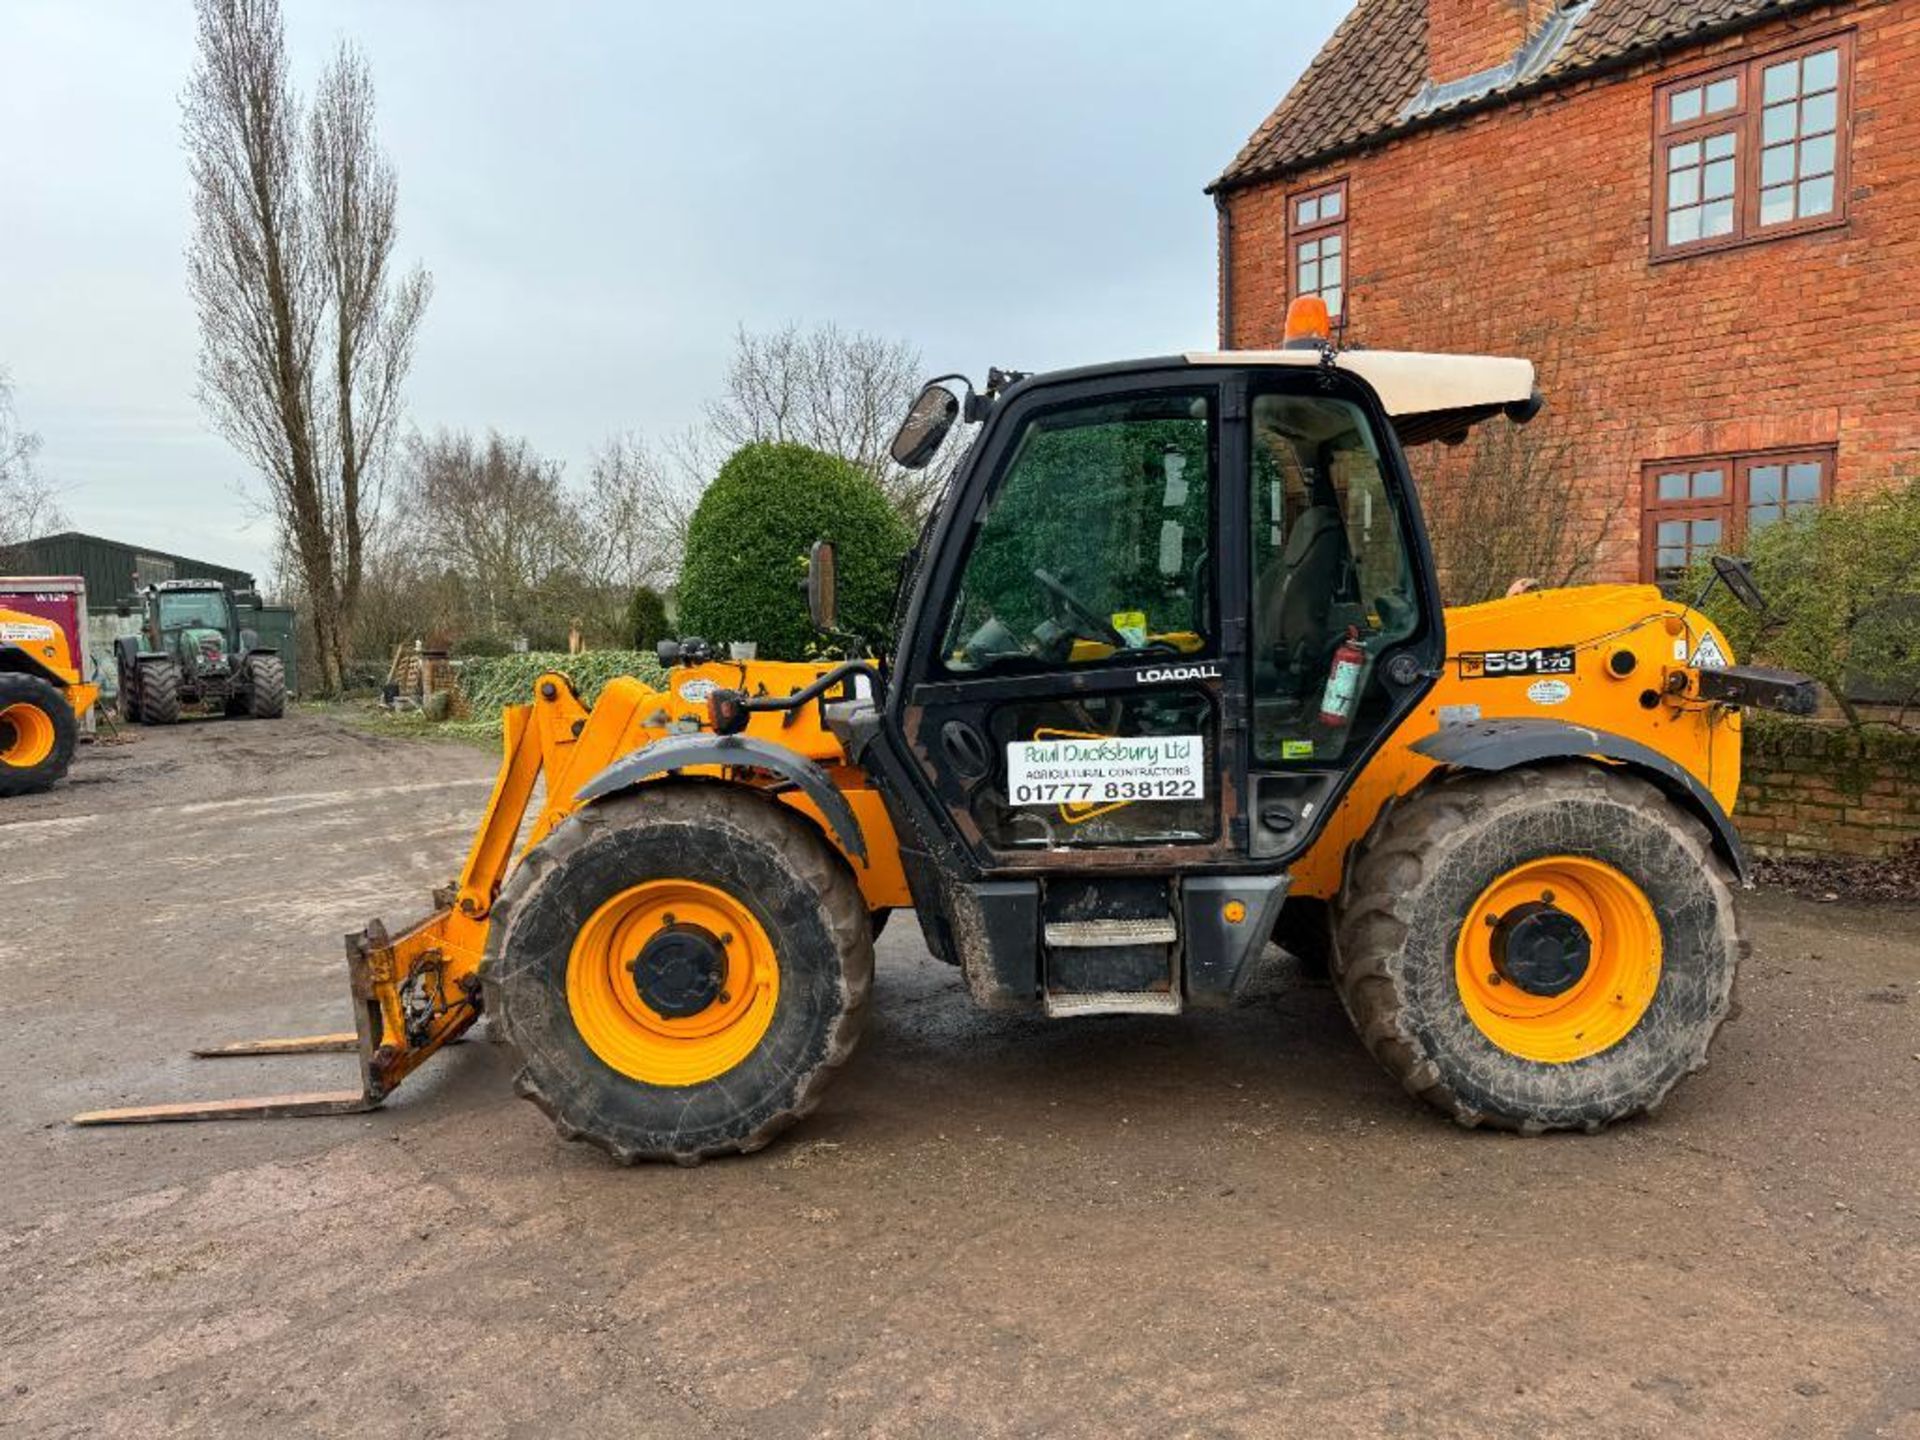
(1106, 770)
(22, 634)
(1708, 655)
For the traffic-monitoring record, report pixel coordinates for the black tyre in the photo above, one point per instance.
(263, 687)
(159, 692)
(37, 733)
(681, 971)
(1543, 949)
(127, 701)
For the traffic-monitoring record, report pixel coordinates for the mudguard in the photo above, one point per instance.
(684, 752)
(1505, 744)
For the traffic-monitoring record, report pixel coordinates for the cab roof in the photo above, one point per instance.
(1428, 396)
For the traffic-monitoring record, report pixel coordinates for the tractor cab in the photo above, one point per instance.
(189, 606)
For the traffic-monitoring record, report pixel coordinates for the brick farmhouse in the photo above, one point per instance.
(1700, 217)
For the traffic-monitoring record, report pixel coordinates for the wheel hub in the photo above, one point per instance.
(1540, 949)
(680, 972)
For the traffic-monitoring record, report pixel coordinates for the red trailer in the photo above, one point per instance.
(61, 600)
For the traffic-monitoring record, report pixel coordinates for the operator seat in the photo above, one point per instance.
(1296, 594)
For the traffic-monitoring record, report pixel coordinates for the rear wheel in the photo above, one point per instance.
(1544, 949)
(159, 692)
(263, 687)
(681, 971)
(37, 732)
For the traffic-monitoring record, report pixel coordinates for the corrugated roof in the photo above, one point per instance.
(1362, 83)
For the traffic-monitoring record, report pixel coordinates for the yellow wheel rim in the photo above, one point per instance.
(26, 735)
(672, 982)
(1559, 959)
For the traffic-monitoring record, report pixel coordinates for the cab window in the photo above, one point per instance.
(193, 608)
(1093, 548)
(1333, 589)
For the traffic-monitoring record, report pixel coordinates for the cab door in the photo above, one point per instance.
(1072, 700)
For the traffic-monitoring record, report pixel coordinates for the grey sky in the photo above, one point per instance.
(603, 192)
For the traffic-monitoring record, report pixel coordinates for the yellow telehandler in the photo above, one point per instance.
(1171, 677)
(42, 699)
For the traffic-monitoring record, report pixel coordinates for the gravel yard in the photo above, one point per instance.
(1224, 1224)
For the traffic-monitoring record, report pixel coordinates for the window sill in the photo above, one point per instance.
(1745, 242)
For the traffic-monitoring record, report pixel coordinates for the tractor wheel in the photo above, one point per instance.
(263, 687)
(37, 731)
(681, 971)
(159, 692)
(1544, 949)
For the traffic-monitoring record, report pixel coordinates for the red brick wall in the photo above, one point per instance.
(1819, 790)
(1525, 230)
(1465, 37)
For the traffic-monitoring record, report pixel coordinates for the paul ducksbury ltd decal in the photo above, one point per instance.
(1106, 770)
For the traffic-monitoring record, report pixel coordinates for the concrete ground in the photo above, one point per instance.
(1226, 1224)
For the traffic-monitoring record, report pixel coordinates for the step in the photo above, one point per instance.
(1067, 1005)
(1108, 934)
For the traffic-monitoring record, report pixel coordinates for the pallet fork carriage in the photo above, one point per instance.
(419, 990)
(1171, 677)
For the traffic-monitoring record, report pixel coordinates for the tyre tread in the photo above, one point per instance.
(814, 864)
(1373, 926)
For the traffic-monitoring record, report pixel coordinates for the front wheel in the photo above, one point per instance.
(159, 692)
(681, 970)
(1544, 949)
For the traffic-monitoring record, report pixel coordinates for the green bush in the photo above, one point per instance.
(746, 558)
(646, 619)
(1842, 584)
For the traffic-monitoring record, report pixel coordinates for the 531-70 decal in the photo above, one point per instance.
(1505, 664)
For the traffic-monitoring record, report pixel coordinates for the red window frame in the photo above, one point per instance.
(1732, 507)
(1317, 230)
(1745, 121)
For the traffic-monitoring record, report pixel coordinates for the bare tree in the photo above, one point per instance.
(1515, 506)
(306, 334)
(27, 507)
(634, 513)
(493, 513)
(844, 392)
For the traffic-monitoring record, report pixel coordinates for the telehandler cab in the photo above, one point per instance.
(1171, 676)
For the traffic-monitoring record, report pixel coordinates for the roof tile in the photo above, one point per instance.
(1365, 76)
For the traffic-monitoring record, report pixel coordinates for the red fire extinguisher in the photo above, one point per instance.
(1343, 681)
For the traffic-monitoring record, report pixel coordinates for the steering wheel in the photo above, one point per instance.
(1098, 624)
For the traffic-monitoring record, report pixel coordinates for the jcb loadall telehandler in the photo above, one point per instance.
(42, 700)
(1171, 670)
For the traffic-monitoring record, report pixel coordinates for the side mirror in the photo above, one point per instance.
(926, 425)
(1737, 575)
(822, 597)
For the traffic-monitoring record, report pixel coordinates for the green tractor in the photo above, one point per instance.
(192, 654)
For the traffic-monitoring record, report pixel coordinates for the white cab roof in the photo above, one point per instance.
(1408, 383)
